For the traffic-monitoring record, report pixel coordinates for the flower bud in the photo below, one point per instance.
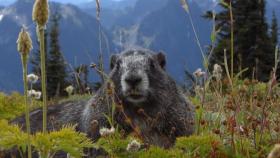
(41, 12)
(24, 42)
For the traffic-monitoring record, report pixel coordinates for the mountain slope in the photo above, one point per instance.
(169, 29)
(78, 38)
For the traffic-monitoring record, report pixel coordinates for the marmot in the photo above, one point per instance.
(147, 100)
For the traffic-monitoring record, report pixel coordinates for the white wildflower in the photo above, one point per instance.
(199, 73)
(69, 156)
(69, 89)
(241, 129)
(34, 94)
(31, 93)
(38, 95)
(88, 88)
(217, 72)
(133, 146)
(106, 131)
(275, 152)
(32, 78)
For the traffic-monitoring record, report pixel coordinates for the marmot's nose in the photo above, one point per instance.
(133, 80)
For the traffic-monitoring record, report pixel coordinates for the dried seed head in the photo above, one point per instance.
(216, 131)
(202, 122)
(217, 72)
(97, 9)
(41, 12)
(185, 5)
(24, 42)
(93, 66)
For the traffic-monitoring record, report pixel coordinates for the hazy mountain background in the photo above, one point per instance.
(161, 25)
(78, 30)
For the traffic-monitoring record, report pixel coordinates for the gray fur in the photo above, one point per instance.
(166, 113)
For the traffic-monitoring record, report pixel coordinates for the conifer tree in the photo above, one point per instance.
(252, 46)
(274, 30)
(274, 39)
(56, 65)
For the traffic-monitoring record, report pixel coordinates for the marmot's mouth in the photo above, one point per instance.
(136, 96)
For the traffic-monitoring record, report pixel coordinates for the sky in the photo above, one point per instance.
(7, 2)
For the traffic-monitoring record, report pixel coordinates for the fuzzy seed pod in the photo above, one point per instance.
(185, 5)
(24, 42)
(41, 12)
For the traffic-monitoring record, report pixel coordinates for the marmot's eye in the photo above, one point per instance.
(118, 64)
(152, 64)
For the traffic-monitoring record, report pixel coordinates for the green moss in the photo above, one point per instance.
(156, 152)
(11, 136)
(202, 146)
(12, 105)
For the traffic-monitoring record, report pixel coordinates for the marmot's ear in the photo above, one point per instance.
(113, 61)
(161, 59)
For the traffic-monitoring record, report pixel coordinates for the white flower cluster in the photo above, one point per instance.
(106, 131)
(133, 146)
(34, 94)
(32, 78)
(199, 73)
(69, 89)
(217, 72)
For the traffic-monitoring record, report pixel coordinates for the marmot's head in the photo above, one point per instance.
(137, 74)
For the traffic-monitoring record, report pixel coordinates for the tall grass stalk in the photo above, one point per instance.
(27, 108)
(41, 15)
(226, 68)
(100, 57)
(24, 46)
(231, 38)
(187, 9)
(43, 77)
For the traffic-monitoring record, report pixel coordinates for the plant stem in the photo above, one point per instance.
(100, 60)
(198, 42)
(43, 81)
(27, 115)
(43, 77)
(226, 67)
(231, 38)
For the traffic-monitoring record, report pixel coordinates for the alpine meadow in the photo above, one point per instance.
(139, 79)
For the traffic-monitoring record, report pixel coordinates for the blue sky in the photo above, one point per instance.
(5, 2)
